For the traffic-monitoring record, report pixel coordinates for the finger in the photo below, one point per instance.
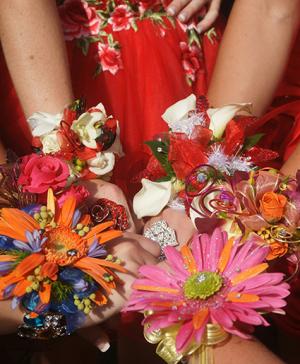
(191, 9)
(176, 6)
(210, 17)
(147, 244)
(96, 336)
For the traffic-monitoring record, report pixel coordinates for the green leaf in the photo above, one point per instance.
(160, 151)
(83, 44)
(19, 254)
(252, 140)
(134, 26)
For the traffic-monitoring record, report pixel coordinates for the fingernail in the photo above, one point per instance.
(182, 17)
(171, 11)
(103, 347)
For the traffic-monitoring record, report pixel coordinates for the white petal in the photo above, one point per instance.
(102, 164)
(179, 110)
(50, 143)
(42, 123)
(220, 117)
(152, 198)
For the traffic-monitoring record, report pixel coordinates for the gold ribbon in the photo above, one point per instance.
(199, 353)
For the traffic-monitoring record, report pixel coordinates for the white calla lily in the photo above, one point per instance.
(42, 123)
(179, 110)
(152, 198)
(102, 164)
(220, 117)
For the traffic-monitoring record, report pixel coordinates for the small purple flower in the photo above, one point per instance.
(76, 218)
(34, 244)
(96, 250)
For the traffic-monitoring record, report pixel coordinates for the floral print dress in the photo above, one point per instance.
(137, 60)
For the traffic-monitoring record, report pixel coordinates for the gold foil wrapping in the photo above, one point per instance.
(198, 353)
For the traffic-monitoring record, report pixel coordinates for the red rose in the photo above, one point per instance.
(39, 173)
(110, 58)
(120, 18)
(191, 60)
(79, 19)
(185, 155)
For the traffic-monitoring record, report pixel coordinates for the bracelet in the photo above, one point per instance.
(107, 210)
(47, 326)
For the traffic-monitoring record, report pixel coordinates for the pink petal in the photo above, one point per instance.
(158, 275)
(175, 261)
(197, 252)
(219, 316)
(215, 248)
(184, 336)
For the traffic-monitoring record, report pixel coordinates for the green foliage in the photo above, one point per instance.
(252, 140)
(19, 254)
(60, 291)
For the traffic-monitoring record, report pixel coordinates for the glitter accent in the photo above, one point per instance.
(187, 125)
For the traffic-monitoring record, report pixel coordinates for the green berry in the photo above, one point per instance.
(78, 168)
(87, 310)
(75, 296)
(118, 261)
(30, 278)
(44, 214)
(81, 233)
(86, 229)
(36, 216)
(109, 257)
(81, 306)
(43, 225)
(92, 296)
(79, 226)
(28, 289)
(44, 209)
(77, 303)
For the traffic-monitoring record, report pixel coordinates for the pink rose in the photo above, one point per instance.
(121, 18)
(39, 173)
(79, 19)
(110, 58)
(191, 60)
(79, 192)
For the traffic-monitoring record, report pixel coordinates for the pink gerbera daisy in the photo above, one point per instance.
(217, 281)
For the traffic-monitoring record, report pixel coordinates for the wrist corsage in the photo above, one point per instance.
(87, 141)
(222, 138)
(55, 265)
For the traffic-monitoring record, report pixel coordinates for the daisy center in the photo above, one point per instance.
(202, 285)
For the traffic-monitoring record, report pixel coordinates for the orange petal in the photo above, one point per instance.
(94, 232)
(100, 299)
(249, 273)
(51, 201)
(85, 220)
(20, 288)
(14, 223)
(155, 289)
(94, 273)
(28, 264)
(188, 259)
(104, 263)
(225, 255)
(199, 318)
(45, 293)
(7, 258)
(49, 269)
(66, 213)
(105, 236)
(242, 297)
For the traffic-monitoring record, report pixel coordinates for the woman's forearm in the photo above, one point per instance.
(254, 52)
(9, 319)
(34, 49)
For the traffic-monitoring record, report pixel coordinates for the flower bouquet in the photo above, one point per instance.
(221, 138)
(209, 290)
(54, 265)
(87, 142)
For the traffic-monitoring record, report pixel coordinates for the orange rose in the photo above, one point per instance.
(277, 250)
(272, 206)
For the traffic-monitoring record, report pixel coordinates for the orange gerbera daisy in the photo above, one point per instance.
(53, 239)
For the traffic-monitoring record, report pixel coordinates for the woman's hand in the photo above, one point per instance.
(185, 9)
